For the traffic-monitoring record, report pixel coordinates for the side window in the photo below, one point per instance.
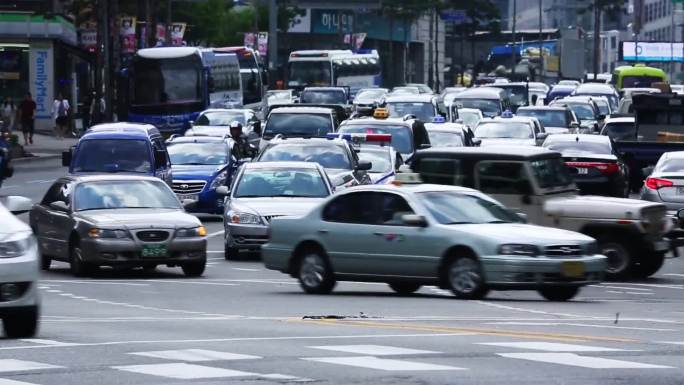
(393, 208)
(158, 144)
(52, 194)
(503, 178)
(440, 171)
(64, 193)
(356, 207)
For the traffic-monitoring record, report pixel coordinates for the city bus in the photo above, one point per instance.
(251, 74)
(169, 86)
(334, 68)
(637, 76)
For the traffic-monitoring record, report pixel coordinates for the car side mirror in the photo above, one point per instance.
(574, 125)
(59, 206)
(223, 190)
(16, 204)
(477, 142)
(414, 220)
(542, 135)
(160, 159)
(364, 165)
(601, 117)
(424, 146)
(66, 158)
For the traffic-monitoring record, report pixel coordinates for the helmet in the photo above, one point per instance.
(235, 125)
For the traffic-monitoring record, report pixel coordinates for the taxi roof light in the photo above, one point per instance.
(403, 178)
(381, 113)
(438, 119)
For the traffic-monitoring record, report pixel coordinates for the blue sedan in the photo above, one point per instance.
(200, 165)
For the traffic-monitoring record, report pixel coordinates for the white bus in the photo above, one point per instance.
(334, 68)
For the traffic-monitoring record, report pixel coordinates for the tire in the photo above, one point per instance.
(465, 278)
(149, 268)
(231, 253)
(404, 288)
(194, 269)
(45, 262)
(24, 324)
(559, 293)
(79, 268)
(649, 265)
(314, 273)
(620, 259)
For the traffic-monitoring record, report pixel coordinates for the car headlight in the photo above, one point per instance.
(519, 249)
(16, 244)
(108, 233)
(220, 179)
(193, 232)
(243, 218)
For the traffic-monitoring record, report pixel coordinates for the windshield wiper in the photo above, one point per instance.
(458, 223)
(498, 221)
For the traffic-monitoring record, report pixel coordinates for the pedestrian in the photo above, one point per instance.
(27, 110)
(96, 110)
(8, 112)
(60, 114)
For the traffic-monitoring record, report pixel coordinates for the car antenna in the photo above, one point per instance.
(577, 138)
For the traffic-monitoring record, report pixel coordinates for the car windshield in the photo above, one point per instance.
(378, 156)
(113, 155)
(604, 107)
(517, 95)
(488, 107)
(572, 145)
(491, 130)
(402, 138)
(620, 131)
(298, 125)
(445, 139)
(220, 118)
(470, 118)
(264, 183)
(329, 155)
(451, 208)
(582, 111)
(198, 153)
(549, 118)
(551, 172)
(309, 73)
(369, 94)
(323, 97)
(122, 194)
(424, 111)
(161, 81)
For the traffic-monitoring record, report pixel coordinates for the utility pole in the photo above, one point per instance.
(436, 50)
(272, 41)
(169, 29)
(597, 38)
(514, 16)
(430, 49)
(541, 44)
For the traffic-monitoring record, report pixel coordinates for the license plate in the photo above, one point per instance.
(572, 269)
(582, 171)
(185, 197)
(680, 190)
(153, 251)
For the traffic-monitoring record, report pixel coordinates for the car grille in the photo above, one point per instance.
(188, 187)
(563, 251)
(268, 218)
(152, 235)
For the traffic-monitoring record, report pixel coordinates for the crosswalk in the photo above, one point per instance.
(208, 364)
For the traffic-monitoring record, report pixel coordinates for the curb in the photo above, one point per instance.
(29, 159)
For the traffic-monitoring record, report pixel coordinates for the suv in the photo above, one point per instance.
(299, 122)
(535, 182)
(586, 110)
(120, 148)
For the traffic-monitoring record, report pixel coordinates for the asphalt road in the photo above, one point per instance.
(242, 324)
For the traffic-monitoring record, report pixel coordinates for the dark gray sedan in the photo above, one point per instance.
(120, 221)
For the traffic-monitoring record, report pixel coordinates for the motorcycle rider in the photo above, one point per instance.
(242, 148)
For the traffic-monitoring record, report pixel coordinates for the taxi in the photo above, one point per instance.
(423, 234)
(376, 149)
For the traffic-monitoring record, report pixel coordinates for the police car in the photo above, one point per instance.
(376, 149)
(408, 134)
(200, 164)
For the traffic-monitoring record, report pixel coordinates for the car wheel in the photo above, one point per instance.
(79, 267)
(465, 278)
(404, 288)
(314, 274)
(45, 262)
(149, 268)
(24, 324)
(194, 269)
(649, 265)
(619, 258)
(559, 293)
(231, 253)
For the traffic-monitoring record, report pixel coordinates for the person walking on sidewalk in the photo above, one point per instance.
(8, 112)
(27, 110)
(60, 113)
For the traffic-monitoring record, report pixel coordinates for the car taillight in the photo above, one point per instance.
(657, 183)
(603, 168)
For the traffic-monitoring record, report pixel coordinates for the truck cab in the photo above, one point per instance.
(120, 148)
(536, 183)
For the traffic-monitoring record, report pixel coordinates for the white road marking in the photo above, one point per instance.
(623, 288)
(572, 359)
(46, 342)
(373, 350)
(183, 371)
(93, 282)
(551, 346)
(278, 376)
(193, 282)
(216, 252)
(675, 275)
(672, 342)
(656, 285)
(4, 381)
(245, 269)
(12, 365)
(212, 235)
(615, 292)
(638, 293)
(53, 291)
(506, 307)
(196, 355)
(386, 364)
(578, 325)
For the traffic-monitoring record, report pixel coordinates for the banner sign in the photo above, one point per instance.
(250, 40)
(177, 33)
(651, 51)
(328, 21)
(262, 43)
(456, 16)
(160, 34)
(127, 34)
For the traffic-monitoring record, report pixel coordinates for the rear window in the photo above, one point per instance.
(113, 155)
(323, 97)
(298, 125)
(440, 171)
(620, 131)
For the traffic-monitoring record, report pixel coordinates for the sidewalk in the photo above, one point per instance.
(45, 147)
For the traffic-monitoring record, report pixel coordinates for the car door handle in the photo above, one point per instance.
(323, 231)
(378, 233)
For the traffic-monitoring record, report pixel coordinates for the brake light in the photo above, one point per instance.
(603, 168)
(657, 183)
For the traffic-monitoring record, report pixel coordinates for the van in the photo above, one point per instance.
(491, 101)
(120, 148)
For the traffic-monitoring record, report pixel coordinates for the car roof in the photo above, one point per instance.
(381, 122)
(515, 119)
(317, 140)
(121, 129)
(563, 87)
(281, 164)
(492, 152)
(110, 177)
(301, 110)
(582, 138)
(575, 99)
(595, 88)
(622, 119)
(488, 92)
(325, 89)
(415, 98)
(542, 108)
(198, 139)
(445, 127)
(674, 155)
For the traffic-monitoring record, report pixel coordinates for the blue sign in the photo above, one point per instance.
(328, 21)
(456, 16)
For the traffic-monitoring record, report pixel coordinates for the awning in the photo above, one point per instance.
(27, 26)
